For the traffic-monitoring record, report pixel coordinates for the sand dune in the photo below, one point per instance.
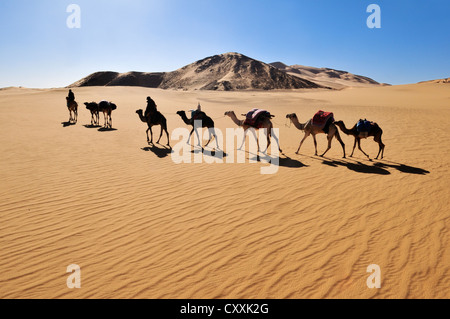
(327, 77)
(141, 226)
(446, 80)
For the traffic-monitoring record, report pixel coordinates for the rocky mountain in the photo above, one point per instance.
(225, 72)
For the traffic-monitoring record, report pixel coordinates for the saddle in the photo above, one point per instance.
(198, 115)
(323, 120)
(255, 117)
(363, 127)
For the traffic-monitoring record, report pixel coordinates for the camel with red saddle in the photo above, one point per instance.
(255, 119)
(322, 123)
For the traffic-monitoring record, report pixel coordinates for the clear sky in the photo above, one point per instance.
(38, 49)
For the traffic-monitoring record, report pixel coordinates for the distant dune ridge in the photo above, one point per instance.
(335, 79)
(231, 72)
(446, 80)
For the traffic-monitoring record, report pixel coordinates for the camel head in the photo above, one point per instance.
(140, 112)
(229, 113)
(113, 106)
(291, 116)
(181, 113)
(91, 106)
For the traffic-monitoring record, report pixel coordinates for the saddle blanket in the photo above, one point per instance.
(321, 118)
(252, 118)
(364, 126)
(198, 115)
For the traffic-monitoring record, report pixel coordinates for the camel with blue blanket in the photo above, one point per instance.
(364, 129)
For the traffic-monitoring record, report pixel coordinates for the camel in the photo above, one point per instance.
(265, 124)
(153, 119)
(375, 131)
(107, 108)
(73, 108)
(310, 129)
(206, 122)
(95, 116)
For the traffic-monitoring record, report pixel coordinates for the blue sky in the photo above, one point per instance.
(39, 50)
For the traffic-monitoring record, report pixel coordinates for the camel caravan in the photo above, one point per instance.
(256, 119)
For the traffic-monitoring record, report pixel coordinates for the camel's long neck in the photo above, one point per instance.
(297, 124)
(141, 116)
(236, 120)
(185, 119)
(344, 129)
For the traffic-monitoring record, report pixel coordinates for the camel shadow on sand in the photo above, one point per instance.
(67, 124)
(285, 161)
(402, 168)
(160, 152)
(92, 126)
(378, 168)
(219, 154)
(107, 129)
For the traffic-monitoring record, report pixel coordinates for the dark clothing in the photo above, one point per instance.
(151, 107)
(71, 97)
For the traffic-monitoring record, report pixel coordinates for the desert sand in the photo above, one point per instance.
(141, 226)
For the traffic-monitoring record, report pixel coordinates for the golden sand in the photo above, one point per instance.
(141, 226)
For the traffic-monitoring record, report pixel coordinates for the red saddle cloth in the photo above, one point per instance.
(253, 117)
(321, 118)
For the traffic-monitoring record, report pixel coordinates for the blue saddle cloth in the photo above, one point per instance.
(364, 126)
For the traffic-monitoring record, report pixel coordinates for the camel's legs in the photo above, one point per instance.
(243, 140)
(359, 146)
(198, 137)
(304, 138)
(380, 143)
(160, 135)
(210, 136)
(278, 142)
(338, 137)
(150, 141)
(330, 139)
(190, 134)
(256, 137)
(189, 138)
(269, 132)
(354, 146)
(315, 143)
(167, 133)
